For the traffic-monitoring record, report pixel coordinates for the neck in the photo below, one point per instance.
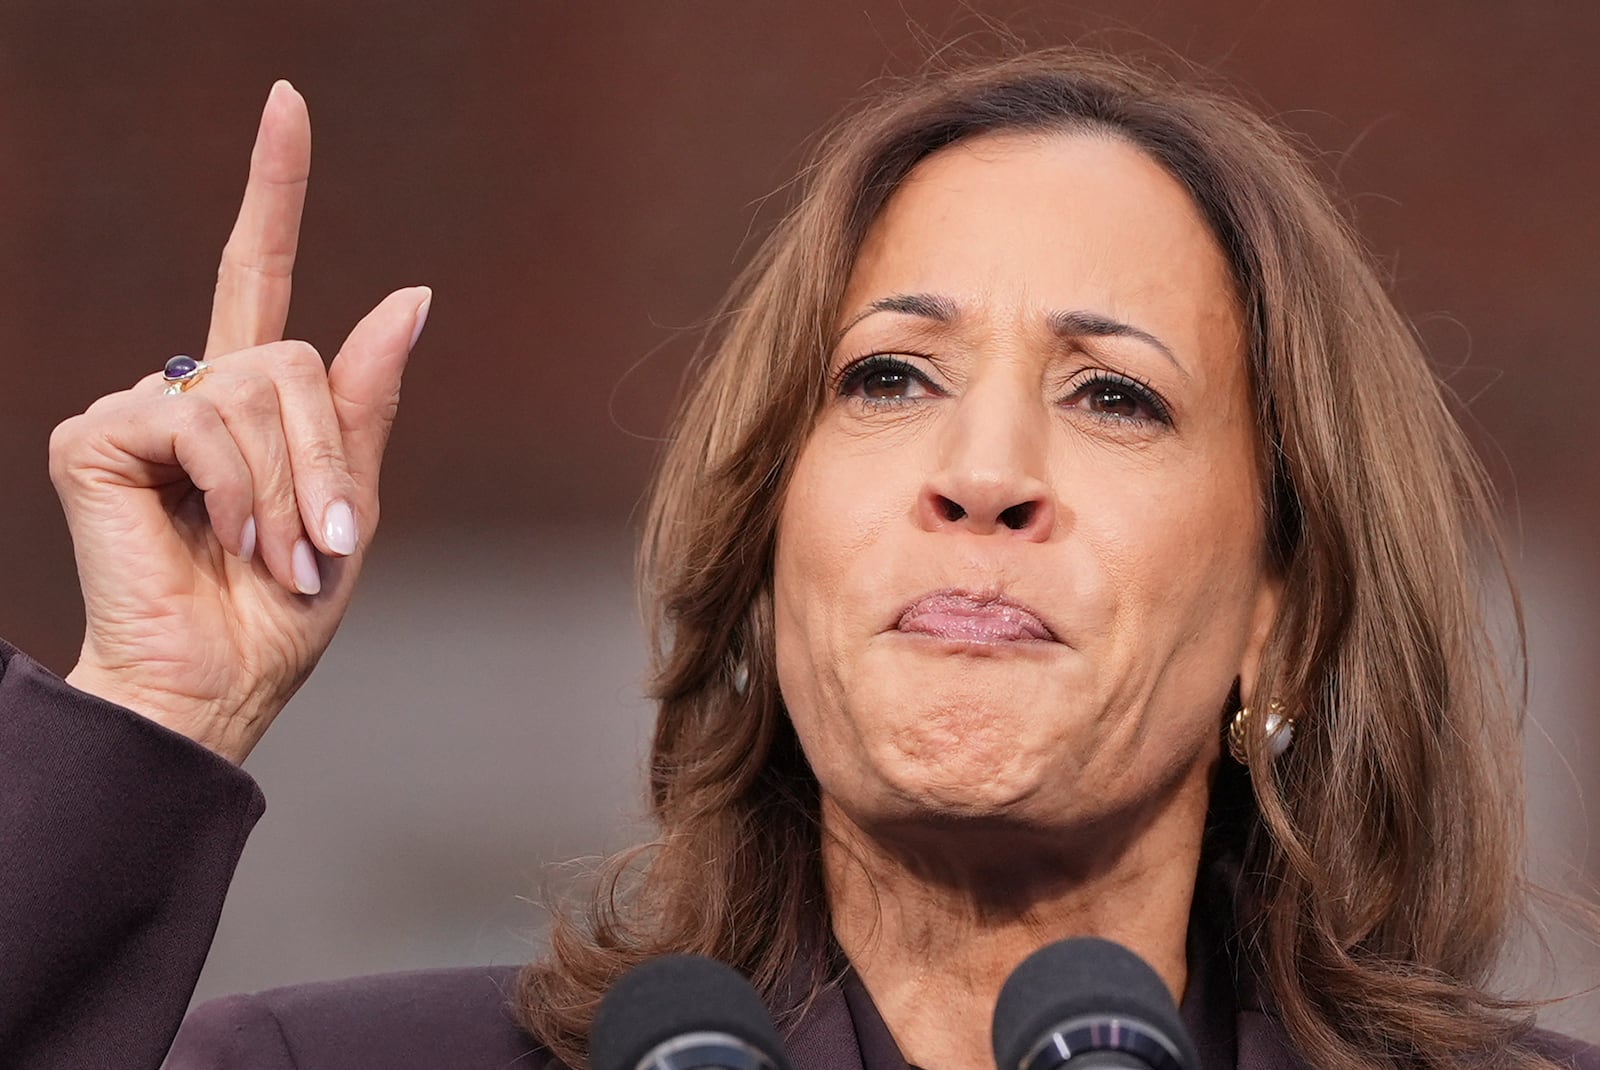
(934, 925)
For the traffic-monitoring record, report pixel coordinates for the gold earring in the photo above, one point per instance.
(1279, 731)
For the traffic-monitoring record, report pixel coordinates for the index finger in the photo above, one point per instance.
(253, 282)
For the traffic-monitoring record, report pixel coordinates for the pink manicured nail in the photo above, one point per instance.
(306, 576)
(247, 547)
(339, 528)
(422, 317)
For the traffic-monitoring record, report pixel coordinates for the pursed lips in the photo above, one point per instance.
(967, 617)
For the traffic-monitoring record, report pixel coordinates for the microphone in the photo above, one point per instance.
(681, 1012)
(1088, 1004)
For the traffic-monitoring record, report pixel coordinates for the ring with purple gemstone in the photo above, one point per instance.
(183, 372)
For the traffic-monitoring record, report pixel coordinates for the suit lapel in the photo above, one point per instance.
(825, 1036)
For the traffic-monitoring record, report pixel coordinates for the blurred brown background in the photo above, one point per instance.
(579, 182)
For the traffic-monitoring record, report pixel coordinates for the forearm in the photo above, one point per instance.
(118, 839)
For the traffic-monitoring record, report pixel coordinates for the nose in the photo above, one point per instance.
(990, 470)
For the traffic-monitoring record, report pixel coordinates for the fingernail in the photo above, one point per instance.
(422, 318)
(247, 541)
(339, 528)
(280, 88)
(306, 576)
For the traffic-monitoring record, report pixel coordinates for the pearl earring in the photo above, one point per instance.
(1279, 732)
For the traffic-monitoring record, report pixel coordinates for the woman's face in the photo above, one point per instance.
(1021, 561)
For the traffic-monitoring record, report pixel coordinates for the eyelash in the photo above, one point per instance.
(1085, 382)
(854, 376)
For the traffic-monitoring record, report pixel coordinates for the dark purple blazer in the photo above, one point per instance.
(117, 842)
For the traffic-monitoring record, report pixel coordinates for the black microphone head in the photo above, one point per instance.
(674, 996)
(1081, 980)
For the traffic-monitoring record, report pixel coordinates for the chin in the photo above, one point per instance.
(964, 763)
(983, 734)
(949, 818)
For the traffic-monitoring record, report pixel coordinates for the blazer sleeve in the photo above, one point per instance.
(233, 1033)
(118, 839)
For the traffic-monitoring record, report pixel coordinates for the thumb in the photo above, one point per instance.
(365, 379)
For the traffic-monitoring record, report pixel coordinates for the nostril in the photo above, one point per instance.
(1019, 516)
(949, 510)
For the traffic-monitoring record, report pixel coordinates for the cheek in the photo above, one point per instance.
(833, 519)
(835, 516)
(1161, 546)
(826, 525)
(1179, 551)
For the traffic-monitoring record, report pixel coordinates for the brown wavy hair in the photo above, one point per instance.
(1380, 859)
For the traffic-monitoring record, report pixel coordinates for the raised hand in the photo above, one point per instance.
(219, 530)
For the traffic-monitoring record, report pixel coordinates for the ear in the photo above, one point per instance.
(1269, 596)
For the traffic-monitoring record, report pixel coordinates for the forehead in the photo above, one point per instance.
(1029, 223)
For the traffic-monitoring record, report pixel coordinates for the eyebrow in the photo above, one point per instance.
(929, 306)
(1078, 323)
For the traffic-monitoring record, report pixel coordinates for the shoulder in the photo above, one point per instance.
(1564, 1051)
(423, 1018)
(1264, 1042)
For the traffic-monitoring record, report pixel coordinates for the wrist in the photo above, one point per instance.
(227, 735)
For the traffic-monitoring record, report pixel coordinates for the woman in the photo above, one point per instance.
(1062, 424)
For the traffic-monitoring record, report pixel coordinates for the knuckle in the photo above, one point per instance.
(321, 456)
(65, 440)
(195, 416)
(65, 432)
(244, 258)
(253, 397)
(299, 360)
(241, 258)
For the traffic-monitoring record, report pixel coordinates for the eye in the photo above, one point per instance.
(884, 378)
(1119, 398)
